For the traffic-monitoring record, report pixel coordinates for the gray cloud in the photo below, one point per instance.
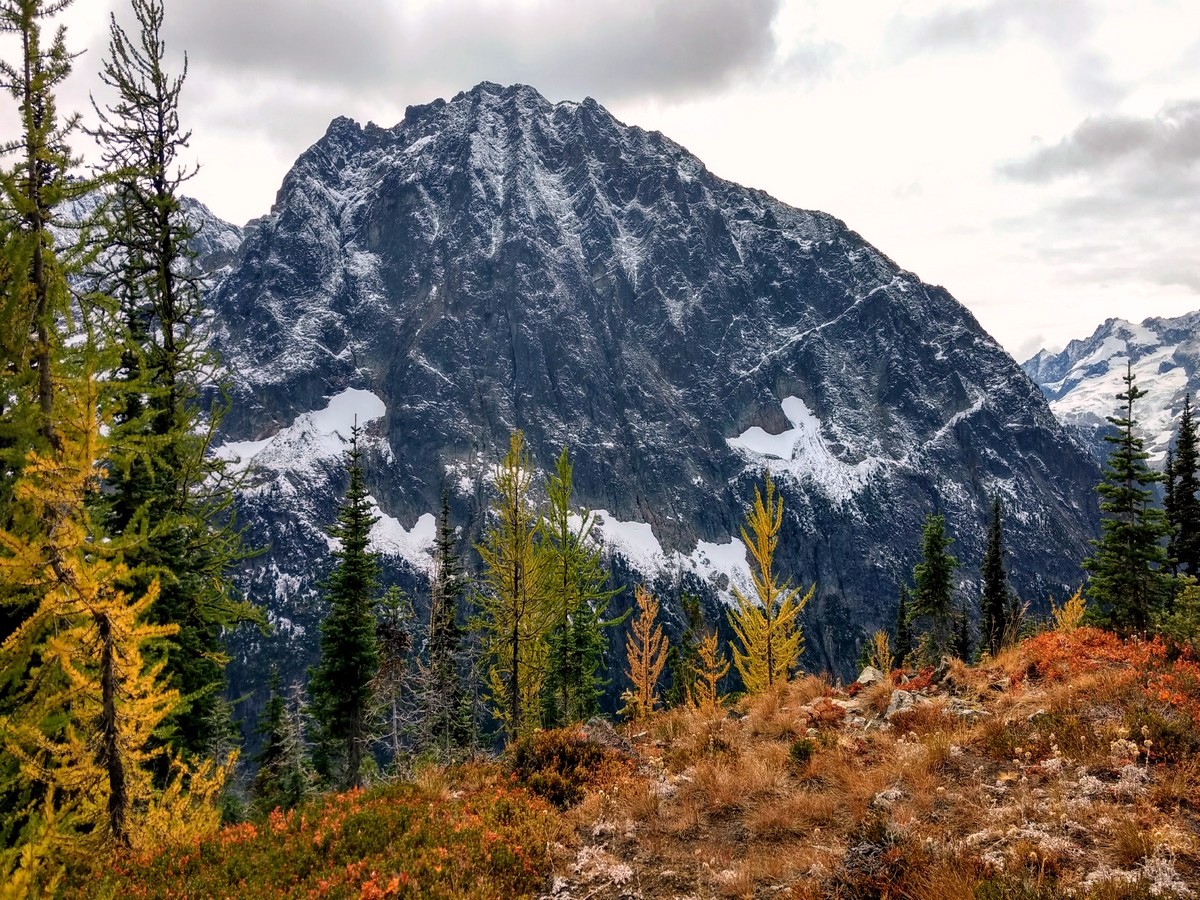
(1169, 142)
(654, 48)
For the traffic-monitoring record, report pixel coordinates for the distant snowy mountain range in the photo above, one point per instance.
(497, 261)
(1082, 381)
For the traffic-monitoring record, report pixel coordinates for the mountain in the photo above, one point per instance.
(1082, 381)
(498, 261)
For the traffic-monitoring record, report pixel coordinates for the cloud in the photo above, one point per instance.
(1061, 22)
(658, 48)
(1168, 143)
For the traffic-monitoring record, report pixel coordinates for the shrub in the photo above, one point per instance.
(800, 753)
(558, 765)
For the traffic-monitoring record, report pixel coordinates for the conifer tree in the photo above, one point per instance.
(514, 601)
(162, 480)
(683, 658)
(284, 778)
(1183, 504)
(398, 692)
(92, 702)
(441, 679)
(934, 579)
(576, 581)
(1169, 509)
(1128, 578)
(341, 683)
(904, 638)
(963, 642)
(646, 654)
(995, 604)
(767, 630)
(709, 668)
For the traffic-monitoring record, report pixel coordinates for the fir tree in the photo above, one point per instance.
(1183, 483)
(341, 683)
(576, 579)
(767, 630)
(995, 604)
(514, 601)
(1128, 578)
(284, 778)
(963, 642)
(398, 699)
(934, 580)
(162, 480)
(904, 638)
(1170, 510)
(440, 676)
(683, 658)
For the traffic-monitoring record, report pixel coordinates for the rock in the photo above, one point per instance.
(968, 712)
(600, 731)
(871, 675)
(887, 799)
(903, 701)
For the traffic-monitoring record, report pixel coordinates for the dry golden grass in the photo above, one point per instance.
(877, 697)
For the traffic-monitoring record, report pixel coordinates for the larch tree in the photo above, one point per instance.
(995, 604)
(769, 639)
(709, 668)
(516, 611)
(576, 584)
(1128, 577)
(933, 595)
(163, 482)
(646, 654)
(342, 682)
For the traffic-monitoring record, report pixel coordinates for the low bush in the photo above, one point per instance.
(558, 765)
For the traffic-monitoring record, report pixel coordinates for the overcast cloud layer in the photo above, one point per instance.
(1038, 157)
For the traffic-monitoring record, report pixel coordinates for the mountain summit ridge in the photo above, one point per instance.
(497, 261)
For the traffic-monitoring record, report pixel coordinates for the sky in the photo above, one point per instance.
(1038, 158)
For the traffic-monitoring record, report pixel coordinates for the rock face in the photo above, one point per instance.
(498, 261)
(1082, 381)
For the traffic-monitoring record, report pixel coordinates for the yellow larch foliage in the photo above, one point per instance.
(90, 702)
(881, 652)
(646, 651)
(1070, 615)
(711, 666)
(768, 636)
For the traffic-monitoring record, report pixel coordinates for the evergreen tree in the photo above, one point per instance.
(904, 638)
(1128, 578)
(163, 482)
(284, 779)
(576, 580)
(934, 580)
(683, 658)
(1183, 504)
(963, 642)
(1169, 508)
(995, 604)
(341, 683)
(767, 630)
(441, 678)
(399, 700)
(514, 600)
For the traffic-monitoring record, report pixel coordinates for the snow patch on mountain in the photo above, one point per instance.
(802, 453)
(314, 437)
(414, 545)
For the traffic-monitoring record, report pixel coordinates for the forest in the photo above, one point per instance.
(459, 729)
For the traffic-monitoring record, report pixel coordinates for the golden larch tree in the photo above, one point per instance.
(514, 597)
(768, 636)
(646, 651)
(710, 667)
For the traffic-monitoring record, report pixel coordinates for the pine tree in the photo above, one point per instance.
(341, 684)
(514, 601)
(397, 692)
(683, 658)
(284, 778)
(1171, 511)
(576, 580)
(934, 579)
(646, 654)
(995, 603)
(904, 638)
(1128, 577)
(767, 630)
(1183, 484)
(162, 481)
(963, 642)
(441, 680)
